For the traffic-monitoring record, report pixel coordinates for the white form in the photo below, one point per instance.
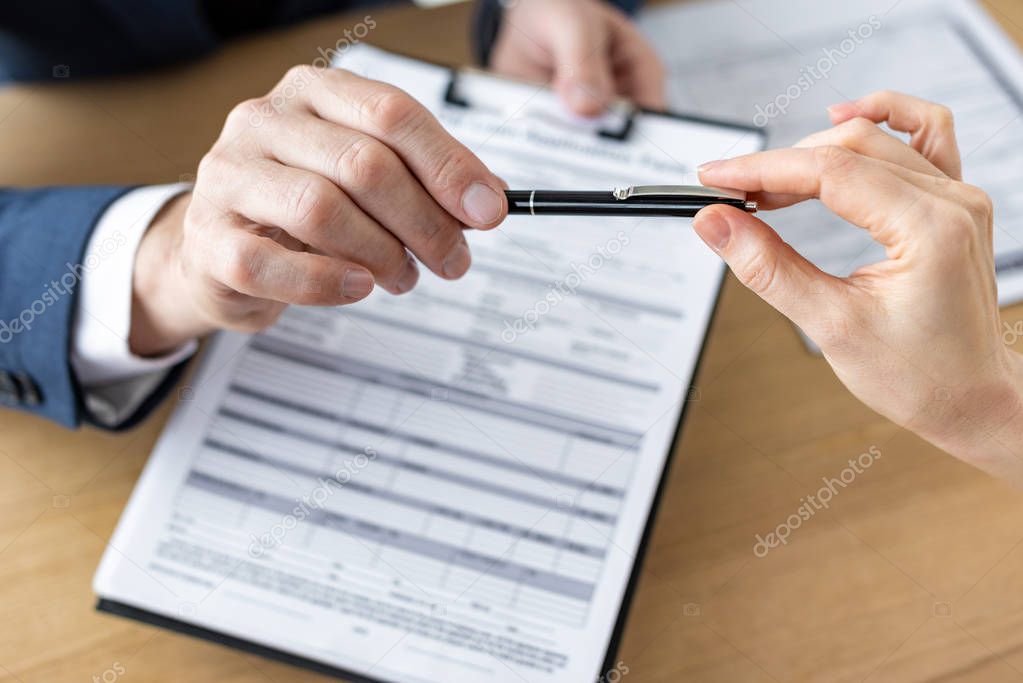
(779, 64)
(451, 485)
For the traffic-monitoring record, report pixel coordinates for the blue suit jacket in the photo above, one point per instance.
(43, 232)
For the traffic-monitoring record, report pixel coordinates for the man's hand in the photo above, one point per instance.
(589, 49)
(310, 196)
(916, 337)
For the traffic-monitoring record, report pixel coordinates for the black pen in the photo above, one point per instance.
(681, 201)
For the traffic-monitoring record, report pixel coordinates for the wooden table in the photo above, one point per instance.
(914, 573)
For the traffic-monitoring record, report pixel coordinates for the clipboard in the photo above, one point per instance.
(618, 124)
(620, 132)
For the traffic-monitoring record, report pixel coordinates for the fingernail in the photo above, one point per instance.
(586, 99)
(357, 284)
(840, 108)
(457, 262)
(703, 168)
(409, 277)
(714, 230)
(482, 204)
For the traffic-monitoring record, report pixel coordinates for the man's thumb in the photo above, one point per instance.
(768, 266)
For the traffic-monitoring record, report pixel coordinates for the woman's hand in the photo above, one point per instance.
(916, 336)
(590, 50)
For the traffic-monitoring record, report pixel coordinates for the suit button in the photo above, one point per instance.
(9, 394)
(30, 395)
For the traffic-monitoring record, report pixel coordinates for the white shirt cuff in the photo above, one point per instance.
(115, 380)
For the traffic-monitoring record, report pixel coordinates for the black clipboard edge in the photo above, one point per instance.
(676, 115)
(614, 643)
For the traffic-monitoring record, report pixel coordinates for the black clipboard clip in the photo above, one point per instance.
(453, 97)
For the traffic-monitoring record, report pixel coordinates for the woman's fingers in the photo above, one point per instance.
(927, 182)
(931, 126)
(865, 137)
(863, 191)
(772, 269)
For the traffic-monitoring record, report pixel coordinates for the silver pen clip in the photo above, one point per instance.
(696, 191)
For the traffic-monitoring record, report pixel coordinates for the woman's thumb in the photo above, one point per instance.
(768, 266)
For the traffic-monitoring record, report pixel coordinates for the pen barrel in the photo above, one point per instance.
(576, 203)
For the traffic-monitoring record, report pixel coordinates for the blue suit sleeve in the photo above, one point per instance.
(487, 22)
(43, 235)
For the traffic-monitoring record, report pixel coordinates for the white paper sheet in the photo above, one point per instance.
(780, 63)
(450, 485)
